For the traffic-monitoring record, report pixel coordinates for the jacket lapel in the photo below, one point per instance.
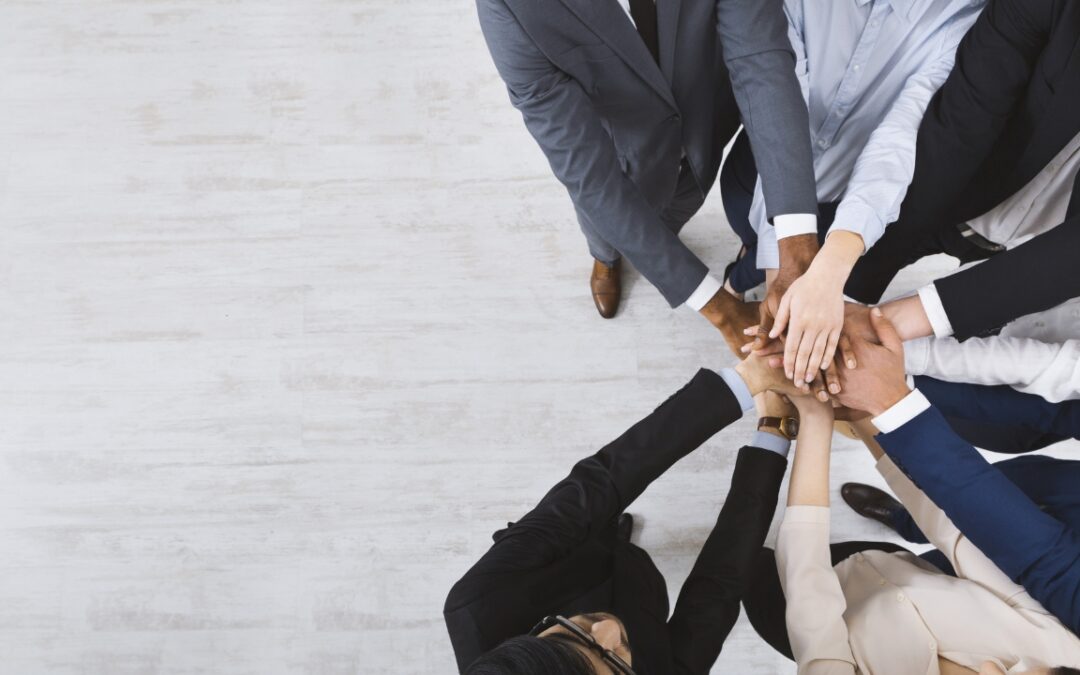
(610, 22)
(668, 23)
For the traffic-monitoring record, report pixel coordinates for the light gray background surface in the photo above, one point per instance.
(293, 317)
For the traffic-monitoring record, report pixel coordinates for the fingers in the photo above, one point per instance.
(762, 329)
(814, 363)
(830, 350)
(847, 352)
(791, 352)
(832, 378)
(819, 388)
(886, 332)
(782, 316)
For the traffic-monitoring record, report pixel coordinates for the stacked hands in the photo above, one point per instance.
(861, 373)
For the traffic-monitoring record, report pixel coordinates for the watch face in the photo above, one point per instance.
(789, 426)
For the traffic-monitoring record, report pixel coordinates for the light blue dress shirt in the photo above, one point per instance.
(868, 69)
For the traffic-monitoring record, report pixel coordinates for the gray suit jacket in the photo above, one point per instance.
(614, 125)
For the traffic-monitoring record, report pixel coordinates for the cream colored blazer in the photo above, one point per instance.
(880, 613)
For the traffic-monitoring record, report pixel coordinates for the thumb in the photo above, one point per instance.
(886, 332)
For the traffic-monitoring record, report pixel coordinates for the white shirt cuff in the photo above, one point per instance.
(795, 224)
(935, 311)
(901, 412)
(738, 387)
(703, 293)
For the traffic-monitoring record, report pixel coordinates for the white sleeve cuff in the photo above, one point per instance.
(935, 311)
(738, 387)
(703, 293)
(902, 412)
(795, 224)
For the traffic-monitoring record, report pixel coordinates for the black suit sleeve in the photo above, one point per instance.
(708, 604)
(994, 64)
(582, 505)
(1033, 277)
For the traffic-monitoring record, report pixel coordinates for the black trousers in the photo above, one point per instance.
(765, 603)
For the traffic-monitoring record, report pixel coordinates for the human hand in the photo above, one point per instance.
(759, 375)
(771, 404)
(812, 406)
(763, 344)
(812, 313)
(823, 383)
(879, 381)
(731, 316)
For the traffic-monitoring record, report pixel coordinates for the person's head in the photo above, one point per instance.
(989, 668)
(585, 644)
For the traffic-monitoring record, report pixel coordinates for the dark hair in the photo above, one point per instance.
(1064, 670)
(525, 655)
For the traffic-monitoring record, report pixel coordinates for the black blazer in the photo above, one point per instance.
(563, 558)
(1010, 105)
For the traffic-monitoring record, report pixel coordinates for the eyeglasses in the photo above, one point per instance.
(609, 657)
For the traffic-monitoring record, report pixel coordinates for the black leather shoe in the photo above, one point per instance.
(624, 528)
(870, 502)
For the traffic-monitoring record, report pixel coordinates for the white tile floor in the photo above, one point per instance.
(294, 317)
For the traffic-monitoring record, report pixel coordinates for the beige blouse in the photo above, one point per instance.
(880, 613)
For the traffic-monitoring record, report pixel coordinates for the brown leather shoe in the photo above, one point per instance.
(606, 285)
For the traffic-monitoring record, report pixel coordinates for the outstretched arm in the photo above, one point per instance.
(815, 601)
(1031, 547)
(586, 502)
(709, 601)
(1046, 369)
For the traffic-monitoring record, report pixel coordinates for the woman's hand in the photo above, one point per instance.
(812, 312)
(812, 309)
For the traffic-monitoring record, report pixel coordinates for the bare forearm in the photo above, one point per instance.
(796, 253)
(909, 317)
(810, 475)
(838, 256)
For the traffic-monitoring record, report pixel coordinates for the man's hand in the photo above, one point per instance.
(878, 383)
(731, 317)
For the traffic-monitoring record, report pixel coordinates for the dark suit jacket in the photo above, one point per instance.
(1033, 548)
(614, 124)
(1010, 105)
(562, 557)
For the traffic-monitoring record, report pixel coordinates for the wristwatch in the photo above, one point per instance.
(788, 427)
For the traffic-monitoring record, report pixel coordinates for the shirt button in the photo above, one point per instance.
(899, 597)
(881, 582)
(857, 66)
(933, 645)
(874, 23)
(823, 143)
(859, 557)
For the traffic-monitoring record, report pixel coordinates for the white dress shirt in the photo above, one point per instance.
(789, 224)
(1037, 207)
(868, 70)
